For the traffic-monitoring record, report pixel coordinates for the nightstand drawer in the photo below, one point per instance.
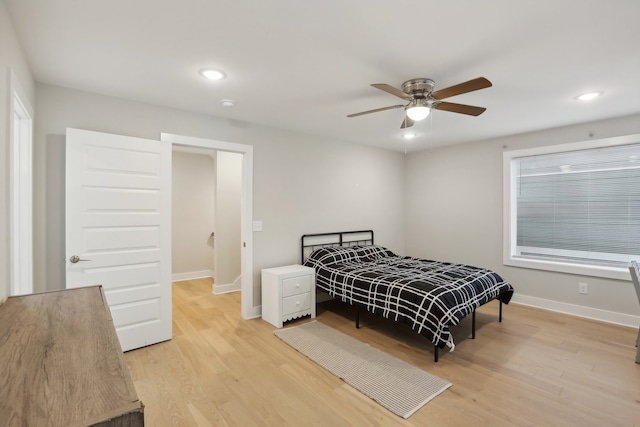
(296, 285)
(296, 303)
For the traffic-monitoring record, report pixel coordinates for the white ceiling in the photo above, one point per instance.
(304, 65)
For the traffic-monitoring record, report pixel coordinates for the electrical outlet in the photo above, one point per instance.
(583, 288)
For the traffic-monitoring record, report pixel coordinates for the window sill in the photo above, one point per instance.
(608, 272)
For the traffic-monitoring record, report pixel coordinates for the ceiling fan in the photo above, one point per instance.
(422, 98)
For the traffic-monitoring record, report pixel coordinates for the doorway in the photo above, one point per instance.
(206, 216)
(248, 308)
(193, 194)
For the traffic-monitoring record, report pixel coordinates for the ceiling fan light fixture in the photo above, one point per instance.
(418, 110)
(421, 97)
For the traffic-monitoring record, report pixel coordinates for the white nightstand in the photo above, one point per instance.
(288, 292)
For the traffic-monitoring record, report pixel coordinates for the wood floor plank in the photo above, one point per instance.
(534, 368)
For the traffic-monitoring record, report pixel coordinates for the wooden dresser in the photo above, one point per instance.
(61, 363)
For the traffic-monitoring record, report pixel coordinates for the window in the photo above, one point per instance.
(574, 208)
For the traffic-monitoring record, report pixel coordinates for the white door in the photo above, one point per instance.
(118, 229)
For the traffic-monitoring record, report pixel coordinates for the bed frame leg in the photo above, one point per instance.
(357, 317)
(473, 325)
(435, 353)
(500, 315)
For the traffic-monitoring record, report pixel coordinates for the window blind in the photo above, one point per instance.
(579, 206)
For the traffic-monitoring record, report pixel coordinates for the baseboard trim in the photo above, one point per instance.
(191, 275)
(578, 310)
(236, 286)
(225, 289)
(256, 312)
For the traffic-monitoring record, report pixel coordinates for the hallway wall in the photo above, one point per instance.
(193, 215)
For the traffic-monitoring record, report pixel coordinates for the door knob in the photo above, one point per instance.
(76, 258)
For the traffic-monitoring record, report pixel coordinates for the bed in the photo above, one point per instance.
(429, 296)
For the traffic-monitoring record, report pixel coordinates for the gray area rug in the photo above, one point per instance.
(393, 383)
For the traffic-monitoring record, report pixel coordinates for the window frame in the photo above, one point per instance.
(509, 219)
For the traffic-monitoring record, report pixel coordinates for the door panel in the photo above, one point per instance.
(111, 199)
(125, 296)
(135, 313)
(118, 223)
(121, 239)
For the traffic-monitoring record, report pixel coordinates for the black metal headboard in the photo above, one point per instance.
(311, 242)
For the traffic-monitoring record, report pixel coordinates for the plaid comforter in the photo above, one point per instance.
(429, 296)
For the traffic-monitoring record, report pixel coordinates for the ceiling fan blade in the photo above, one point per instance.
(375, 111)
(407, 122)
(459, 108)
(392, 90)
(459, 89)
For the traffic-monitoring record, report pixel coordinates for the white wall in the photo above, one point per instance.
(11, 58)
(454, 212)
(302, 184)
(193, 181)
(228, 215)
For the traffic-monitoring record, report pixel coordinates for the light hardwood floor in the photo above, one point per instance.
(536, 368)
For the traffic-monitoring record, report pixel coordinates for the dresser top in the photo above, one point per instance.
(61, 362)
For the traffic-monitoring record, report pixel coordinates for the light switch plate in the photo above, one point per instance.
(257, 225)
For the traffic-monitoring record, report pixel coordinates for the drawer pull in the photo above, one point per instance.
(297, 302)
(297, 285)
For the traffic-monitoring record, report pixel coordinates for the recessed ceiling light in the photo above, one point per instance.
(228, 103)
(408, 135)
(211, 74)
(588, 96)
